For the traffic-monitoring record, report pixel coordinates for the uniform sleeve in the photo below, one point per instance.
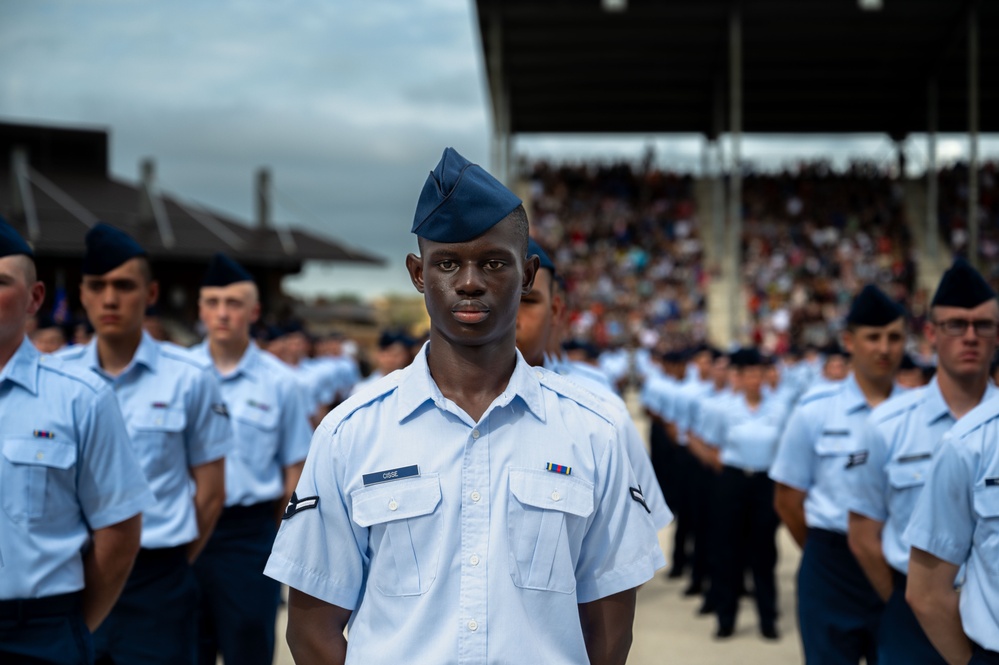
(111, 486)
(943, 521)
(796, 452)
(645, 475)
(868, 480)
(208, 434)
(295, 428)
(620, 550)
(319, 550)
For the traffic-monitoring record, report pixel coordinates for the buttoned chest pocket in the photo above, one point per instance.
(986, 503)
(155, 434)
(406, 526)
(546, 513)
(256, 433)
(908, 475)
(36, 475)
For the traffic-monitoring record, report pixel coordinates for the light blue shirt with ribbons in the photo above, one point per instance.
(746, 436)
(462, 541)
(66, 468)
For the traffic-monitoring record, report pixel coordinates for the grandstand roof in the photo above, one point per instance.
(815, 66)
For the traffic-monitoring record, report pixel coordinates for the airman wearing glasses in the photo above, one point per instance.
(902, 439)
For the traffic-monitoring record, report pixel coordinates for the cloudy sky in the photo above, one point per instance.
(349, 102)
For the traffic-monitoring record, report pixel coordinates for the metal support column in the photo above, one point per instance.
(501, 108)
(932, 182)
(973, 135)
(735, 188)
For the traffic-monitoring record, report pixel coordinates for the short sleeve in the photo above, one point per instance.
(795, 459)
(111, 484)
(646, 475)
(620, 550)
(208, 434)
(943, 520)
(318, 549)
(868, 481)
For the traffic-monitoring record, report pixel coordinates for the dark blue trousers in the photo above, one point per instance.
(747, 527)
(46, 631)
(155, 619)
(984, 657)
(838, 610)
(901, 640)
(239, 603)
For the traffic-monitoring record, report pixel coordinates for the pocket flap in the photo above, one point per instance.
(913, 474)
(987, 501)
(552, 491)
(396, 500)
(257, 416)
(160, 420)
(40, 452)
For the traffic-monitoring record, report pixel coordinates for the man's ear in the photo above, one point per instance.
(414, 265)
(153, 295)
(531, 266)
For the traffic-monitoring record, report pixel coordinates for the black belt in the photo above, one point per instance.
(159, 555)
(828, 537)
(749, 473)
(29, 608)
(264, 509)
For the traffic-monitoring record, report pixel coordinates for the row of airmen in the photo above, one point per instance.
(142, 482)
(891, 493)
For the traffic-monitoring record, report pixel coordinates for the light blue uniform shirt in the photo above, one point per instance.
(901, 438)
(270, 425)
(821, 441)
(66, 469)
(687, 405)
(707, 411)
(176, 420)
(956, 518)
(638, 456)
(747, 437)
(448, 538)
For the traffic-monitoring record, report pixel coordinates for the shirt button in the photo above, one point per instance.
(556, 496)
(474, 559)
(39, 455)
(539, 374)
(475, 433)
(473, 625)
(476, 496)
(393, 505)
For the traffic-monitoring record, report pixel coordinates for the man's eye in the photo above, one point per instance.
(495, 265)
(446, 265)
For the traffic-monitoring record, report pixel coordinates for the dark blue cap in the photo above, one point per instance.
(460, 201)
(546, 262)
(11, 241)
(108, 248)
(871, 307)
(223, 271)
(962, 286)
(834, 349)
(746, 357)
(388, 338)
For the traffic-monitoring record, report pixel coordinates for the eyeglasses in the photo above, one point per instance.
(958, 327)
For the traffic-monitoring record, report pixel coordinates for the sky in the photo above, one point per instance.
(348, 102)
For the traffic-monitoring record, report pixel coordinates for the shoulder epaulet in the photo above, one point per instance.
(368, 394)
(820, 392)
(57, 365)
(176, 352)
(898, 405)
(70, 352)
(566, 388)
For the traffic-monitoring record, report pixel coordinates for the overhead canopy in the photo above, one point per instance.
(808, 66)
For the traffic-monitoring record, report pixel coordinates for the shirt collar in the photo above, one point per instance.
(22, 368)
(417, 387)
(246, 366)
(936, 408)
(147, 354)
(855, 399)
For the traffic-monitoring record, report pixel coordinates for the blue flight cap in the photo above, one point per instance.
(871, 307)
(460, 201)
(223, 271)
(962, 286)
(546, 262)
(746, 357)
(108, 248)
(11, 241)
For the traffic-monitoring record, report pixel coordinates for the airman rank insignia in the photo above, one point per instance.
(636, 494)
(296, 505)
(558, 468)
(42, 434)
(856, 459)
(221, 410)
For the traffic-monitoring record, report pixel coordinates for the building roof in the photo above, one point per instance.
(71, 189)
(809, 66)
